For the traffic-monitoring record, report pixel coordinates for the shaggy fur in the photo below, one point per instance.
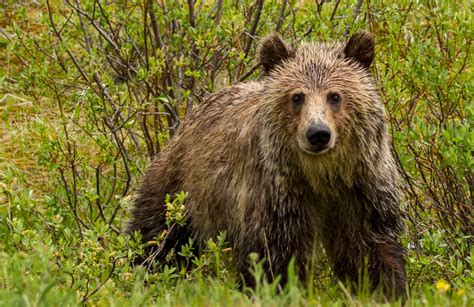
(244, 159)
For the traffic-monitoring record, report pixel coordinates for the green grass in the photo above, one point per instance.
(69, 166)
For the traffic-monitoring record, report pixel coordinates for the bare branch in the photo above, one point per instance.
(281, 18)
(253, 29)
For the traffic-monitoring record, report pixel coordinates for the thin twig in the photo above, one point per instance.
(249, 73)
(87, 295)
(281, 18)
(253, 29)
(97, 185)
(355, 13)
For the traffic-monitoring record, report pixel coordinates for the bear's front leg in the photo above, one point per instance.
(277, 252)
(386, 267)
(381, 259)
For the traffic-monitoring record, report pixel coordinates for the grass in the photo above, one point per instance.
(69, 167)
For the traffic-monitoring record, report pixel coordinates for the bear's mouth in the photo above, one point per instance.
(315, 150)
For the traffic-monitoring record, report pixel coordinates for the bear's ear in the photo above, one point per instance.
(272, 51)
(361, 48)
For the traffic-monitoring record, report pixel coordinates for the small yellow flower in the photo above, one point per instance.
(460, 292)
(442, 286)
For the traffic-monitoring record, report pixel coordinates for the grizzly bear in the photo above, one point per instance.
(296, 160)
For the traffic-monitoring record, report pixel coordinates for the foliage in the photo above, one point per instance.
(90, 90)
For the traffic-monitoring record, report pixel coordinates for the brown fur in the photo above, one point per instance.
(244, 159)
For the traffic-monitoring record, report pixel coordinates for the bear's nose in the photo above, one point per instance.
(318, 135)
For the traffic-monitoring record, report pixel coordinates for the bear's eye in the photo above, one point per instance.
(298, 99)
(334, 98)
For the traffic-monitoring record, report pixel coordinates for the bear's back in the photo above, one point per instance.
(230, 103)
(219, 141)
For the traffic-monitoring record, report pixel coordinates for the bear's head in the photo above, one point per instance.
(323, 95)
